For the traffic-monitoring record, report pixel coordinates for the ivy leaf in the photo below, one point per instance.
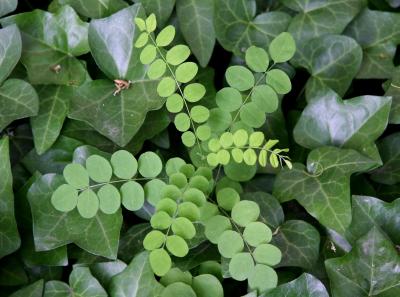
(94, 8)
(305, 286)
(370, 269)
(394, 91)
(116, 117)
(389, 173)
(11, 45)
(316, 18)
(52, 228)
(7, 6)
(112, 41)
(328, 120)
(137, 280)
(18, 100)
(323, 188)
(105, 271)
(378, 33)
(53, 109)
(237, 28)
(54, 160)
(196, 23)
(271, 212)
(299, 243)
(371, 212)
(131, 243)
(50, 60)
(9, 237)
(33, 290)
(161, 8)
(84, 284)
(332, 60)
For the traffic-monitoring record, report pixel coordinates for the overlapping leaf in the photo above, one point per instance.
(378, 34)
(161, 8)
(9, 237)
(196, 23)
(328, 120)
(237, 26)
(7, 6)
(393, 90)
(370, 269)
(305, 286)
(53, 109)
(50, 60)
(52, 228)
(94, 8)
(323, 187)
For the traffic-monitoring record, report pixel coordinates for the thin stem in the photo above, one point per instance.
(117, 181)
(181, 93)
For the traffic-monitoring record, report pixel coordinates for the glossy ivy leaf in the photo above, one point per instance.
(376, 261)
(196, 23)
(88, 204)
(7, 6)
(144, 283)
(325, 17)
(333, 61)
(9, 237)
(306, 286)
(118, 117)
(95, 9)
(10, 41)
(61, 66)
(237, 27)
(328, 120)
(54, 229)
(377, 33)
(32, 290)
(84, 284)
(112, 41)
(161, 8)
(394, 91)
(389, 173)
(18, 100)
(312, 187)
(105, 271)
(369, 212)
(53, 109)
(177, 54)
(299, 242)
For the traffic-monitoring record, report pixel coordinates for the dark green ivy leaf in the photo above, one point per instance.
(112, 41)
(305, 286)
(53, 109)
(50, 60)
(137, 280)
(33, 290)
(329, 120)
(98, 236)
(370, 269)
(11, 47)
(393, 90)
(333, 61)
(316, 18)
(323, 187)
(9, 237)
(237, 27)
(117, 117)
(161, 8)
(12, 272)
(105, 271)
(95, 8)
(131, 242)
(196, 23)
(389, 173)
(378, 33)
(371, 212)
(299, 243)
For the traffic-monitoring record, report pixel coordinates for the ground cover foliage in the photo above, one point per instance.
(199, 148)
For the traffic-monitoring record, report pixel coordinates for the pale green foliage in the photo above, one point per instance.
(93, 187)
